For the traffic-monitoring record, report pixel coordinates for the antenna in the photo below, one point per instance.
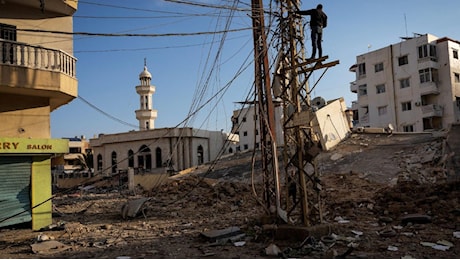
(405, 22)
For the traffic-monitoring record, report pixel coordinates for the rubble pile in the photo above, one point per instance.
(384, 196)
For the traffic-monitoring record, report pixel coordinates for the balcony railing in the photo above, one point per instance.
(36, 57)
(429, 88)
(432, 110)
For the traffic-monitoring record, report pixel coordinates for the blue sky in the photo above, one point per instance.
(188, 70)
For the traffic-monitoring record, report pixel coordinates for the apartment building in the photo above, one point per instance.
(37, 75)
(414, 85)
(246, 124)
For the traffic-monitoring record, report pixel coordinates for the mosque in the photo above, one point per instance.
(151, 150)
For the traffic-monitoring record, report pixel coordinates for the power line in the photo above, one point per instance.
(133, 34)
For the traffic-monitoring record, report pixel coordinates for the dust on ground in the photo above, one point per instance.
(371, 184)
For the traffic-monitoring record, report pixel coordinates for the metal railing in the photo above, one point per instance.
(36, 57)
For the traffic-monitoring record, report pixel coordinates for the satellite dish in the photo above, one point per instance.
(318, 102)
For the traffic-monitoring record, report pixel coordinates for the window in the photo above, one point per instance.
(244, 119)
(362, 69)
(114, 162)
(200, 154)
(255, 117)
(428, 75)
(99, 162)
(131, 158)
(408, 128)
(362, 90)
(246, 147)
(406, 106)
(404, 83)
(257, 132)
(158, 158)
(380, 88)
(382, 110)
(245, 133)
(456, 77)
(426, 50)
(74, 150)
(378, 67)
(403, 60)
(7, 32)
(455, 54)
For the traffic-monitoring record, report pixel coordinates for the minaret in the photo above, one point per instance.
(146, 115)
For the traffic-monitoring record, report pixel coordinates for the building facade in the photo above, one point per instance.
(413, 85)
(151, 150)
(37, 75)
(246, 124)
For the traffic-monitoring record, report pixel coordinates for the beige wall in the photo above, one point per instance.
(27, 117)
(53, 41)
(331, 123)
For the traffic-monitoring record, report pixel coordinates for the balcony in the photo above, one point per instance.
(353, 87)
(429, 88)
(38, 72)
(432, 111)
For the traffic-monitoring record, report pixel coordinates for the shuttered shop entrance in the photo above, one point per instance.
(15, 172)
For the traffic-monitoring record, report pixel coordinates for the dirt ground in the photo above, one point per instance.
(385, 196)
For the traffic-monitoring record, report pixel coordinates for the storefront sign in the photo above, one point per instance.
(26, 145)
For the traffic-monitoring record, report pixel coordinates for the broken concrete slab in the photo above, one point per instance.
(223, 235)
(133, 208)
(49, 247)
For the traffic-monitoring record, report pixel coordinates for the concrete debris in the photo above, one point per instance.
(44, 237)
(456, 234)
(133, 208)
(442, 245)
(392, 248)
(272, 250)
(222, 236)
(49, 247)
(239, 243)
(372, 187)
(341, 220)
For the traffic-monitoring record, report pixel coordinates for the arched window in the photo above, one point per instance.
(99, 162)
(200, 155)
(158, 161)
(131, 158)
(230, 150)
(114, 162)
(144, 158)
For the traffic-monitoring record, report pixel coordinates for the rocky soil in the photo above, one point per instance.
(385, 197)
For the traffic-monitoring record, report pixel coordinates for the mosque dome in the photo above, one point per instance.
(145, 74)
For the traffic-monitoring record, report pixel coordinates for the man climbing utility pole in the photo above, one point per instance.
(318, 22)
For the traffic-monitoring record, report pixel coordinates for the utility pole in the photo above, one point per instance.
(265, 110)
(301, 145)
(300, 200)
